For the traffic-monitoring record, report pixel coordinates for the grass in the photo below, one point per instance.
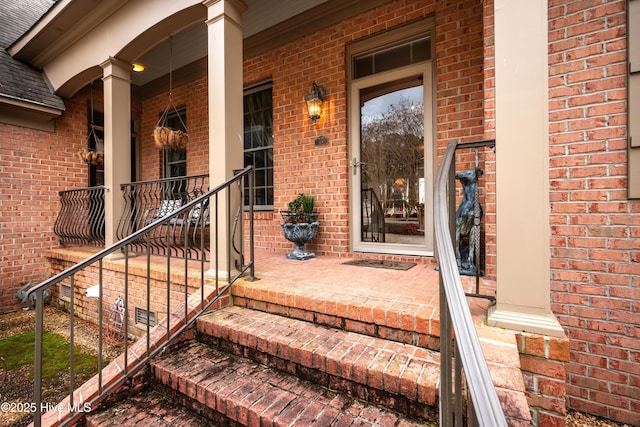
(18, 351)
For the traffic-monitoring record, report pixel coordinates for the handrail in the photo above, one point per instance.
(455, 311)
(173, 324)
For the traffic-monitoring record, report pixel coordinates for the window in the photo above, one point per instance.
(95, 120)
(258, 143)
(96, 143)
(175, 160)
(405, 53)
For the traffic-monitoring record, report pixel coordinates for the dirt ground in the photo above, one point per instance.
(86, 337)
(17, 386)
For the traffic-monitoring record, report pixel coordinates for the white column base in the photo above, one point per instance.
(537, 323)
(223, 276)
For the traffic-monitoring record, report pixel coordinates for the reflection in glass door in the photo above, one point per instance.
(391, 168)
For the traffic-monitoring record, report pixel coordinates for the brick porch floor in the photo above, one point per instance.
(404, 300)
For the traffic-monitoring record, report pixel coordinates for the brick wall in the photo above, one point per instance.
(594, 228)
(322, 171)
(35, 166)
(113, 280)
(489, 133)
(299, 165)
(192, 96)
(543, 364)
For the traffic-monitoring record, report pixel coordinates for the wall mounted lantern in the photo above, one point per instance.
(315, 101)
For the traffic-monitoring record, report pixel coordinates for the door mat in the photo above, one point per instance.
(376, 263)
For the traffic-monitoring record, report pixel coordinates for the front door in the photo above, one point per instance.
(392, 161)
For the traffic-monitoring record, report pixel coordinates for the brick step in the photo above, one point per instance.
(235, 391)
(148, 408)
(376, 315)
(399, 376)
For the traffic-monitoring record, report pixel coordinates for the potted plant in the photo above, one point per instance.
(300, 225)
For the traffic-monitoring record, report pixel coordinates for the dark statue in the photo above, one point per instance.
(468, 218)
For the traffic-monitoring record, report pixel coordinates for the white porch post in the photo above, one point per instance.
(522, 168)
(226, 133)
(117, 140)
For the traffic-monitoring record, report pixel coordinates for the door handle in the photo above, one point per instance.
(355, 163)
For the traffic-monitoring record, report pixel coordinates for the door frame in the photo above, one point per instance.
(355, 195)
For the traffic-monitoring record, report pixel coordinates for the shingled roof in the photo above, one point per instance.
(20, 81)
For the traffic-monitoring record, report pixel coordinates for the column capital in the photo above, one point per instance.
(228, 9)
(114, 67)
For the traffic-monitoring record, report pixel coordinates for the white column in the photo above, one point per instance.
(226, 134)
(117, 140)
(522, 168)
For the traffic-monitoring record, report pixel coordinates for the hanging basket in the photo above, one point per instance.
(91, 157)
(171, 139)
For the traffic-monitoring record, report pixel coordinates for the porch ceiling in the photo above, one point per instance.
(267, 24)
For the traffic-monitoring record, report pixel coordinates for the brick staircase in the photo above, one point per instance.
(281, 356)
(254, 368)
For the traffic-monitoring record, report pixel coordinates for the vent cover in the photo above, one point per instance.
(65, 292)
(142, 316)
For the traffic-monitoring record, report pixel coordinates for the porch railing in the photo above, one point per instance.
(484, 406)
(180, 309)
(150, 201)
(81, 217)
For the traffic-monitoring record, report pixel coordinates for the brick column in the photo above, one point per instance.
(117, 140)
(522, 169)
(226, 132)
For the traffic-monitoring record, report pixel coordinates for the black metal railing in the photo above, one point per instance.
(372, 219)
(180, 308)
(484, 406)
(150, 201)
(81, 217)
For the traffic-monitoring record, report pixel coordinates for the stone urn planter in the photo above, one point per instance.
(300, 225)
(300, 234)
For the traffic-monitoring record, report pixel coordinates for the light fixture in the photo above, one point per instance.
(138, 68)
(315, 101)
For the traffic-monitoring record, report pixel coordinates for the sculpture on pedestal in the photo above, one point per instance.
(468, 218)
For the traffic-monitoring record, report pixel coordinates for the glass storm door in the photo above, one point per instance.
(392, 162)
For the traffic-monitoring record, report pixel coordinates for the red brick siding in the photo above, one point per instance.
(594, 228)
(542, 361)
(324, 171)
(113, 284)
(192, 96)
(35, 166)
(489, 133)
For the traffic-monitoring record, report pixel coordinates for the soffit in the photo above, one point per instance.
(307, 22)
(63, 25)
(267, 24)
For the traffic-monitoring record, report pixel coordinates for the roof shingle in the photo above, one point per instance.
(18, 80)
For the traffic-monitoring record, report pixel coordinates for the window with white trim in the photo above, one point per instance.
(258, 142)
